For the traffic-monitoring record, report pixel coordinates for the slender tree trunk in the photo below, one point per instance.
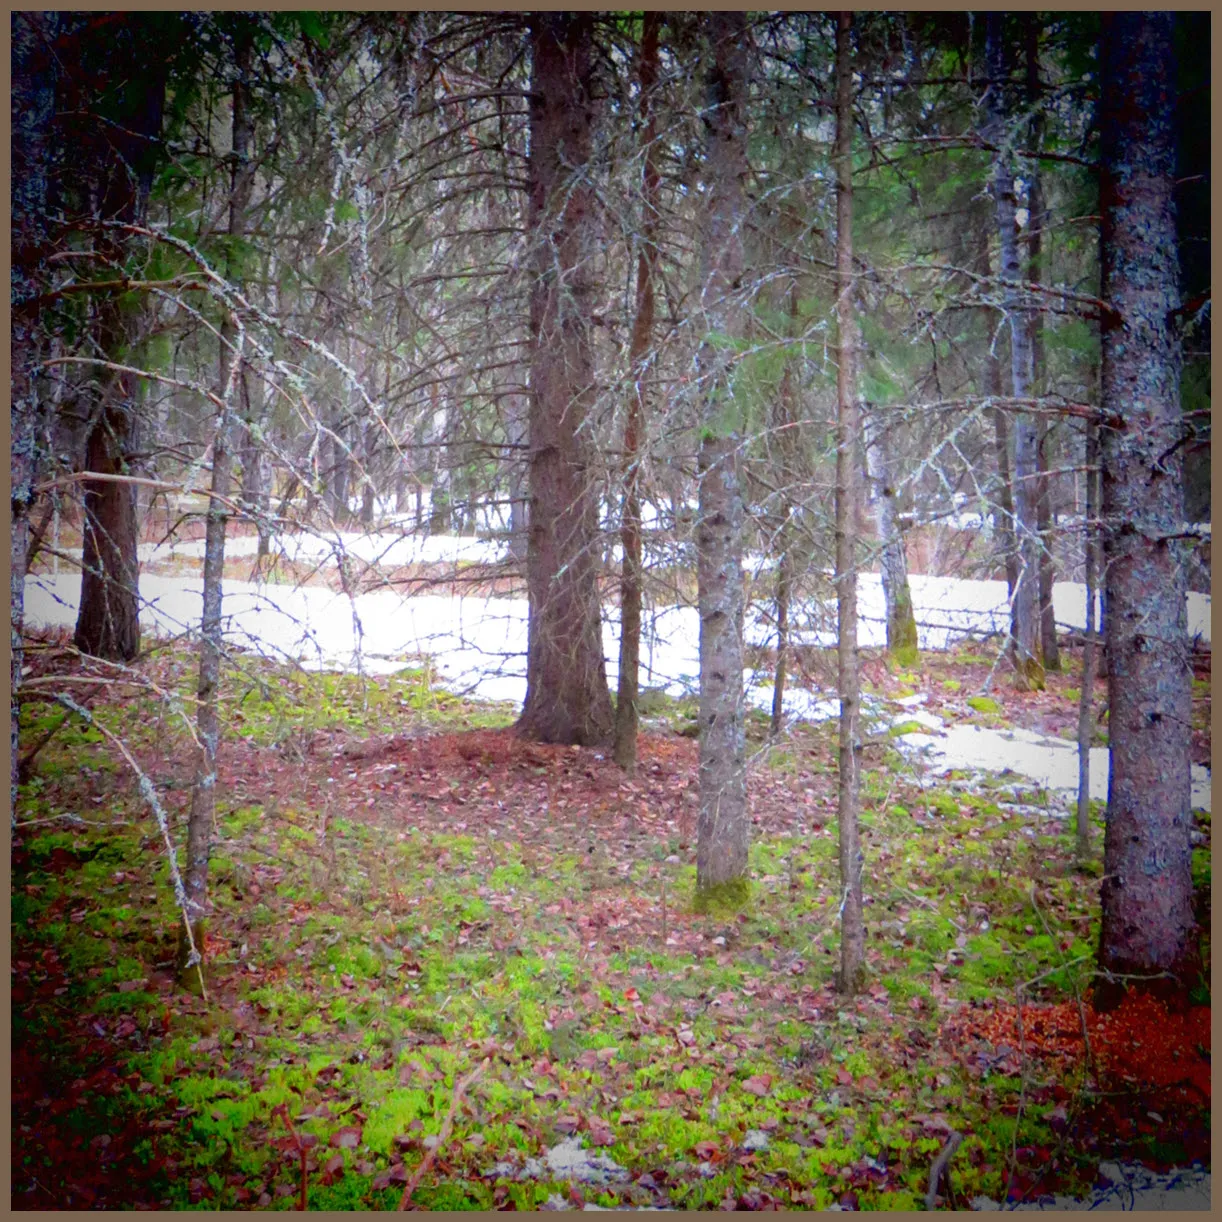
(1148, 935)
(785, 423)
(567, 698)
(518, 430)
(368, 452)
(1037, 220)
(256, 474)
(33, 110)
(626, 712)
(893, 563)
(440, 517)
(1029, 670)
(1086, 709)
(852, 932)
(722, 829)
(203, 794)
(1003, 504)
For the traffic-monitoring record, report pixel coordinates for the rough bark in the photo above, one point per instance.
(256, 469)
(1148, 936)
(517, 428)
(626, 711)
(852, 928)
(203, 793)
(892, 561)
(33, 109)
(722, 829)
(1029, 670)
(1086, 709)
(567, 698)
(107, 623)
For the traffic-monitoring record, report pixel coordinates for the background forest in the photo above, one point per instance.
(535, 537)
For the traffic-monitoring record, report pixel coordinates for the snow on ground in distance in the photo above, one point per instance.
(478, 644)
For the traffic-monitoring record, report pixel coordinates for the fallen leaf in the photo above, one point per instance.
(346, 1138)
(759, 1084)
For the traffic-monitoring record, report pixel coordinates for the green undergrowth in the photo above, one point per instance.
(360, 969)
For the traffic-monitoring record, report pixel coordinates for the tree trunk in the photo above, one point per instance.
(626, 712)
(1148, 933)
(893, 563)
(1037, 220)
(723, 828)
(517, 426)
(368, 449)
(1086, 710)
(1003, 505)
(786, 424)
(203, 793)
(108, 623)
(1029, 670)
(852, 935)
(256, 473)
(567, 699)
(108, 620)
(33, 110)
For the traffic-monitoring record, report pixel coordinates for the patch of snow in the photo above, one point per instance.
(1052, 763)
(569, 1161)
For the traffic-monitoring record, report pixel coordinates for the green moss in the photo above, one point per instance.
(951, 685)
(722, 899)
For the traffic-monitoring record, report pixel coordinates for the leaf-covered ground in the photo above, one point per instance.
(404, 890)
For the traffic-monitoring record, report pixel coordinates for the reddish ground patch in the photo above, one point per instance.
(1140, 1046)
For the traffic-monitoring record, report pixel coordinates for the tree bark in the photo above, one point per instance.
(1086, 710)
(1148, 936)
(33, 110)
(626, 711)
(852, 928)
(1037, 220)
(786, 422)
(203, 793)
(567, 698)
(1029, 670)
(893, 563)
(722, 828)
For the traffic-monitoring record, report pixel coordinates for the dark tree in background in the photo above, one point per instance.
(567, 698)
(1148, 928)
(120, 147)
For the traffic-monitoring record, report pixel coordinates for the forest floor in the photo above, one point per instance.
(405, 892)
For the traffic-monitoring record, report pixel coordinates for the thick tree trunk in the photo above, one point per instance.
(626, 712)
(893, 563)
(1029, 670)
(108, 619)
(852, 928)
(723, 829)
(1148, 935)
(567, 698)
(203, 793)
(33, 110)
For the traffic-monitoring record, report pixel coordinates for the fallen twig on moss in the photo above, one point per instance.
(443, 1133)
(939, 1167)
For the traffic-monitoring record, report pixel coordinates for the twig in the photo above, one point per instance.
(149, 794)
(443, 1134)
(939, 1167)
(302, 1150)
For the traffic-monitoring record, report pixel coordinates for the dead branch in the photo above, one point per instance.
(939, 1167)
(443, 1134)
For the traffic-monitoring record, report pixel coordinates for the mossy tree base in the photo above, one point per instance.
(1029, 674)
(191, 978)
(722, 899)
